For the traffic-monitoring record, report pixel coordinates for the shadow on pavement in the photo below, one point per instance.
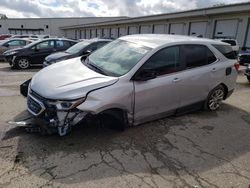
(174, 146)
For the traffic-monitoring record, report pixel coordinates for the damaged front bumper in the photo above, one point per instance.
(44, 117)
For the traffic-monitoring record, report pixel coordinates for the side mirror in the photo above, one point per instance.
(145, 75)
(86, 53)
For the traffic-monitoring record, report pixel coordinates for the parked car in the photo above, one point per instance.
(3, 37)
(132, 80)
(244, 56)
(35, 53)
(247, 72)
(24, 36)
(12, 44)
(233, 43)
(82, 48)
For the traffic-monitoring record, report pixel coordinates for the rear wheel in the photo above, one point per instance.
(215, 98)
(23, 63)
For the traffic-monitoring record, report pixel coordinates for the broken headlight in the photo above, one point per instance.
(68, 105)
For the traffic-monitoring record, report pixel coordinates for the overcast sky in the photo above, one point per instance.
(83, 8)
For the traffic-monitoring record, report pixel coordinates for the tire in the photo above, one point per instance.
(23, 63)
(114, 120)
(215, 98)
(248, 77)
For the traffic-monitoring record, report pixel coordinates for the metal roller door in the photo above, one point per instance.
(247, 42)
(87, 34)
(226, 28)
(93, 33)
(198, 29)
(177, 29)
(70, 34)
(122, 31)
(105, 33)
(99, 33)
(160, 29)
(114, 33)
(144, 29)
(132, 30)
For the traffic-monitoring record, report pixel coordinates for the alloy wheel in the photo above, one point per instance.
(215, 99)
(23, 63)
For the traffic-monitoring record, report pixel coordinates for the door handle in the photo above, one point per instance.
(214, 69)
(176, 80)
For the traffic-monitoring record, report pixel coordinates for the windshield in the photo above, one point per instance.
(118, 57)
(77, 47)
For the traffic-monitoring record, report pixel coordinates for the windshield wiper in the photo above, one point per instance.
(96, 68)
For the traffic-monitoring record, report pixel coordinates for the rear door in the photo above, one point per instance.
(62, 45)
(198, 75)
(157, 97)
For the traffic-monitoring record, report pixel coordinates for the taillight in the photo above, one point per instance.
(237, 66)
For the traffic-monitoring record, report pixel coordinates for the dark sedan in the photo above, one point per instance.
(80, 49)
(11, 44)
(35, 53)
(244, 57)
(247, 73)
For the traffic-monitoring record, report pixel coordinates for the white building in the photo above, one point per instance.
(48, 26)
(214, 22)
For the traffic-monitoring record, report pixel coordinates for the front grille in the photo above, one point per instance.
(35, 106)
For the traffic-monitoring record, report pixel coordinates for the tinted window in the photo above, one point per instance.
(197, 55)
(226, 50)
(62, 44)
(164, 61)
(67, 44)
(231, 42)
(210, 57)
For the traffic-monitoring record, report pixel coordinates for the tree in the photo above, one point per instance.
(3, 16)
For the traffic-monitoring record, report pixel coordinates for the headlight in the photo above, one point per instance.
(10, 53)
(248, 66)
(68, 105)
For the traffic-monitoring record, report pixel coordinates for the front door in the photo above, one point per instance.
(159, 96)
(42, 50)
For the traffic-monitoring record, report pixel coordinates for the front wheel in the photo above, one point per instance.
(215, 98)
(23, 63)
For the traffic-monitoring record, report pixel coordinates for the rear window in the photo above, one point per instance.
(227, 51)
(231, 42)
(197, 55)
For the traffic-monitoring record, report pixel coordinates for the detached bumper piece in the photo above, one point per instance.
(46, 119)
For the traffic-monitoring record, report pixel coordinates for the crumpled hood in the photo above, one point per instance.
(68, 80)
(58, 56)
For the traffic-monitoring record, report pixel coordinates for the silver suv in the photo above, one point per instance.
(132, 80)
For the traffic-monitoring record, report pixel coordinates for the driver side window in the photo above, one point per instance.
(45, 45)
(164, 61)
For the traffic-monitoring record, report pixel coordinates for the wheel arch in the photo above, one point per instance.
(226, 90)
(115, 112)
